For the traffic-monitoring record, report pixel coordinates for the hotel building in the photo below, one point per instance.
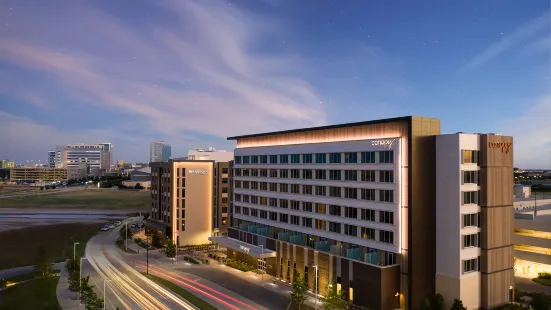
(190, 199)
(355, 205)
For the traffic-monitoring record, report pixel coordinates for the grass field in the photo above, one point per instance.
(84, 199)
(35, 294)
(196, 301)
(20, 246)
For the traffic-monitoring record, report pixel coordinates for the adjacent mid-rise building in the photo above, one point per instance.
(51, 159)
(38, 174)
(82, 160)
(190, 199)
(363, 205)
(159, 151)
(6, 163)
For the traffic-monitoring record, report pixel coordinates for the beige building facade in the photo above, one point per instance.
(38, 174)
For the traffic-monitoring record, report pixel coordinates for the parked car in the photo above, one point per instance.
(133, 225)
(111, 226)
(117, 222)
(104, 229)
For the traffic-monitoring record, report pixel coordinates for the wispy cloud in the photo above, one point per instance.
(509, 40)
(187, 67)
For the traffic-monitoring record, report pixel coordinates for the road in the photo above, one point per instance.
(126, 287)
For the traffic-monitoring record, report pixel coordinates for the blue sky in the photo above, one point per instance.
(194, 72)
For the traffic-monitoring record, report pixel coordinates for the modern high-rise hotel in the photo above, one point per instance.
(389, 211)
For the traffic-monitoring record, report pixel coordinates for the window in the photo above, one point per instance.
(386, 217)
(238, 159)
(386, 157)
(334, 191)
(470, 197)
(470, 177)
(246, 172)
(263, 214)
(263, 159)
(351, 158)
(368, 233)
(334, 158)
(246, 184)
(237, 209)
(225, 200)
(254, 159)
(295, 188)
(368, 157)
(368, 176)
(368, 194)
(254, 212)
(321, 225)
(237, 197)
(246, 198)
(263, 201)
(237, 184)
(368, 215)
(470, 241)
(283, 159)
(295, 173)
(351, 193)
(335, 227)
(386, 236)
(245, 211)
(306, 158)
(306, 222)
(273, 202)
(273, 216)
(386, 195)
(471, 157)
(471, 265)
(254, 185)
(307, 174)
(295, 220)
(320, 208)
(237, 172)
(273, 187)
(307, 206)
(320, 190)
(264, 173)
(350, 230)
(351, 212)
(273, 159)
(321, 158)
(335, 175)
(307, 189)
(320, 174)
(335, 210)
(351, 175)
(245, 160)
(225, 170)
(386, 176)
(273, 173)
(284, 218)
(254, 172)
(283, 188)
(283, 173)
(471, 220)
(295, 159)
(295, 205)
(263, 186)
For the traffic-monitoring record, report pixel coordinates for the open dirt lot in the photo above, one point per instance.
(99, 199)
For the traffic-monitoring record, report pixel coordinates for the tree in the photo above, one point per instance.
(138, 186)
(43, 265)
(3, 284)
(155, 241)
(170, 249)
(540, 302)
(298, 294)
(458, 305)
(425, 305)
(437, 302)
(335, 299)
(73, 268)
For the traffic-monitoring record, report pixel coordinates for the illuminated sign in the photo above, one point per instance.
(244, 249)
(384, 143)
(198, 171)
(504, 146)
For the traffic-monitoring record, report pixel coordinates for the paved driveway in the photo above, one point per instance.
(255, 293)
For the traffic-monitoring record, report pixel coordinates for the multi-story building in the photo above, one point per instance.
(6, 163)
(38, 174)
(210, 154)
(354, 205)
(190, 199)
(83, 160)
(51, 159)
(474, 219)
(159, 151)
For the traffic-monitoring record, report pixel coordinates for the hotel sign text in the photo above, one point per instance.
(504, 146)
(198, 171)
(384, 142)
(244, 249)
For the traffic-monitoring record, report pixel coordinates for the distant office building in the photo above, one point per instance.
(38, 174)
(120, 163)
(51, 159)
(6, 163)
(210, 154)
(83, 160)
(159, 151)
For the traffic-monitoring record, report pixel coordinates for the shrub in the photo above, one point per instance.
(544, 275)
(192, 260)
(239, 265)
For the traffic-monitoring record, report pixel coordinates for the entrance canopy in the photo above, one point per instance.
(243, 247)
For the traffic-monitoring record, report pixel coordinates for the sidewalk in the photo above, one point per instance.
(66, 298)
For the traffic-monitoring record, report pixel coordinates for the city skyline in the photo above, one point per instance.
(192, 73)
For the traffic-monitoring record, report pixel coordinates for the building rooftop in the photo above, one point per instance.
(373, 122)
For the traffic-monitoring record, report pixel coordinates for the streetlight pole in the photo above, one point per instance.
(80, 279)
(316, 285)
(105, 300)
(262, 259)
(147, 253)
(75, 250)
(126, 240)
(175, 246)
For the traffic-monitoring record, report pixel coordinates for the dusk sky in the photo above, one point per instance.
(192, 73)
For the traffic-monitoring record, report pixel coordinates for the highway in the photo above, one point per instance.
(126, 288)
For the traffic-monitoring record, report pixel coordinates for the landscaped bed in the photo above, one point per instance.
(543, 278)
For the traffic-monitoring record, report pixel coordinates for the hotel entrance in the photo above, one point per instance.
(257, 257)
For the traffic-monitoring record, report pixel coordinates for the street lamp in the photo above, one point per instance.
(175, 246)
(74, 250)
(105, 300)
(262, 259)
(126, 240)
(80, 279)
(316, 284)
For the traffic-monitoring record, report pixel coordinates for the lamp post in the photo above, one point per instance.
(126, 240)
(75, 250)
(147, 253)
(262, 259)
(175, 246)
(105, 300)
(316, 285)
